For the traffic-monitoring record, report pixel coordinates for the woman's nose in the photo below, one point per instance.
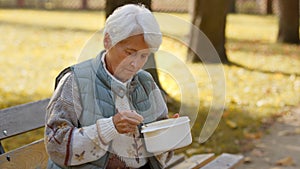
(134, 62)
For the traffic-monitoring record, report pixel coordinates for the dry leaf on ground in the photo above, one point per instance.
(286, 161)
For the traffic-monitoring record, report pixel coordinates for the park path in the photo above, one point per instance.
(280, 148)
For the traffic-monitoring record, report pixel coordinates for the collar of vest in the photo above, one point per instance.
(109, 82)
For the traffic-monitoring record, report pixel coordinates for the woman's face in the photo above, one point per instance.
(127, 57)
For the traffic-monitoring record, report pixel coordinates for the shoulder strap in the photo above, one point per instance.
(61, 74)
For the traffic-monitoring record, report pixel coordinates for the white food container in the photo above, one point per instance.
(169, 134)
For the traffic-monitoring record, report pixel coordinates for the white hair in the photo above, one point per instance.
(130, 20)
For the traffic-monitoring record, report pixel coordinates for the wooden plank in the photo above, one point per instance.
(22, 118)
(1, 149)
(195, 161)
(176, 159)
(32, 156)
(224, 161)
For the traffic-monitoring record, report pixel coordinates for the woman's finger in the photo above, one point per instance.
(175, 115)
(132, 114)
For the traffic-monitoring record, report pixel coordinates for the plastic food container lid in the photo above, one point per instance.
(162, 124)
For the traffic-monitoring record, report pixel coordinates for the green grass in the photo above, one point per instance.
(35, 45)
(252, 37)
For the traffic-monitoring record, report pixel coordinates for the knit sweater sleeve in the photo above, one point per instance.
(68, 144)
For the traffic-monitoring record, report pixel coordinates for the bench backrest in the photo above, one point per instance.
(17, 120)
(22, 118)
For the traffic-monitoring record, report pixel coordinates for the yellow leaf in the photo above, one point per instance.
(287, 161)
(231, 124)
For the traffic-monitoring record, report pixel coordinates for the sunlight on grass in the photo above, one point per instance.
(30, 59)
(252, 38)
(244, 88)
(252, 27)
(87, 21)
(36, 45)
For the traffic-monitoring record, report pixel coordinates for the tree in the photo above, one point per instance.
(21, 3)
(84, 4)
(232, 6)
(265, 6)
(110, 6)
(288, 21)
(269, 7)
(210, 17)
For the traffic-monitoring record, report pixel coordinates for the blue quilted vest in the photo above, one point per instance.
(97, 91)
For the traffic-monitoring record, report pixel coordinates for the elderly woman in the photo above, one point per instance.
(93, 116)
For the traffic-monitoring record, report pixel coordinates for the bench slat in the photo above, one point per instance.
(30, 156)
(195, 161)
(176, 159)
(22, 118)
(224, 161)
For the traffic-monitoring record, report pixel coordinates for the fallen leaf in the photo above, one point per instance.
(231, 124)
(289, 132)
(297, 131)
(260, 145)
(285, 133)
(247, 160)
(267, 159)
(257, 152)
(256, 135)
(286, 161)
(192, 151)
(226, 114)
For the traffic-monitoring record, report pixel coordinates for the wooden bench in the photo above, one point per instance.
(22, 118)
(205, 161)
(17, 120)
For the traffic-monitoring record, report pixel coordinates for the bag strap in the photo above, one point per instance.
(61, 75)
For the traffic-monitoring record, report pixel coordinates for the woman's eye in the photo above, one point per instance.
(144, 55)
(128, 52)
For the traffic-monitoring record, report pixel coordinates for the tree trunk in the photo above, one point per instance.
(269, 7)
(21, 3)
(232, 7)
(210, 18)
(265, 6)
(288, 21)
(84, 4)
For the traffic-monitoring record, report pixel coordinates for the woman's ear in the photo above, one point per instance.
(107, 41)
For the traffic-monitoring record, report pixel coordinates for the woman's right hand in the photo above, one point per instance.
(127, 121)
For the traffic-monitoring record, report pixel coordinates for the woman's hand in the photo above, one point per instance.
(127, 121)
(175, 115)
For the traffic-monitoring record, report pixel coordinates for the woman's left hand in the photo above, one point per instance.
(175, 115)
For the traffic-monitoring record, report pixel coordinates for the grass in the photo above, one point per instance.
(35, 45)
(246, 31)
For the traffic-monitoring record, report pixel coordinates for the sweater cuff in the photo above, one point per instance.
(106, 130)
